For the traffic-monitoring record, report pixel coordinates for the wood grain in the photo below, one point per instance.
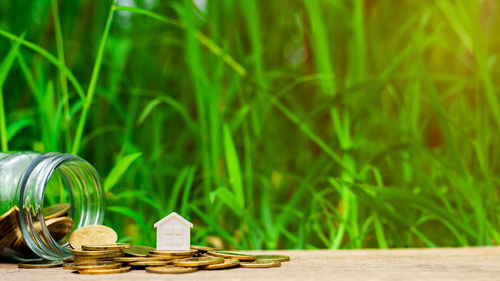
(399, 264)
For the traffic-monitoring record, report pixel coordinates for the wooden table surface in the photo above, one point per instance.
(399, 264)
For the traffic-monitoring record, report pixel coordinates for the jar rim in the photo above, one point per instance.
(31, 195)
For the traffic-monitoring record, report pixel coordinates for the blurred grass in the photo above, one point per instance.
(282, 124)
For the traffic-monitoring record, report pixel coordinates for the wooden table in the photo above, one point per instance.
(400, 264)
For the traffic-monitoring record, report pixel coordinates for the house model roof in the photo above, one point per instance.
(172, 216)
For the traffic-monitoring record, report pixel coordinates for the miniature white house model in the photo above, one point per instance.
(173, 233)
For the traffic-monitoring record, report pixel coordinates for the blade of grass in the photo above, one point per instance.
(62, 75)
(93, 81)
(203, 39)
(320, 44)
(173, 104)
(121, 166)
(215, 226)
(47, 56)
(187, 190)
(4, 72)
(233, 168)
(135, 216)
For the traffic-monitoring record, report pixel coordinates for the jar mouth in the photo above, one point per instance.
(85, 194)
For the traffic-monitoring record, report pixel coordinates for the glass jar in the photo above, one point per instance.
(29, 182)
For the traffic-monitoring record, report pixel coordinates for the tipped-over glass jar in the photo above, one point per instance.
(43, 197)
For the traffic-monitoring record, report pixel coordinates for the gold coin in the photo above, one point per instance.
(138, 251)
(201, 261)
(77, 253)
(173, 253)
(167, 257)
(148, 263)
(68, 265)
(260, 264)
(202, 248)
(59, 227)
(104, 247)
(93, 261)
(40, 264)
(56, 210)
(105, 271)
(170, 269)
(9, 224)
(239, 256)
(280, 258)
(95, 266)
(226, 264)
(136, 259)
(86, 258)
(92, 234)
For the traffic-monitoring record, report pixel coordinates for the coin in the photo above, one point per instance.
(201, 261)
(239, 256)
(68, 265)
(40, 264)
(96, 253)
(96, 266)
(56, 210)
(93, 261)
(8, 221)
(104, 247)
(170, 269)
(173, 253)
(59, 227)
(106, 257)
(167, 257)
(148, 263)
(92, 234)
(10, 232)
(138, 251)
(273, 257)
(226, 264)
(136, 259)
(260, 264)
(105, 271)
(202, 249)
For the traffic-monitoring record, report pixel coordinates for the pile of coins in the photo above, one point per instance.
(96, 252)
(56, 219)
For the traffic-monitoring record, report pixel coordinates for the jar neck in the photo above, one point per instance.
(85, 194)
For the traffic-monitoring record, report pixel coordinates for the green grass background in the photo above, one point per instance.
(269, 124)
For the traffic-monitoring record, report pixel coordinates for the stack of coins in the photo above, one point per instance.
(94, 251)
(98, 259)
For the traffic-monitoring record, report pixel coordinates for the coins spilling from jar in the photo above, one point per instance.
(56, 220)
(95, 250)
